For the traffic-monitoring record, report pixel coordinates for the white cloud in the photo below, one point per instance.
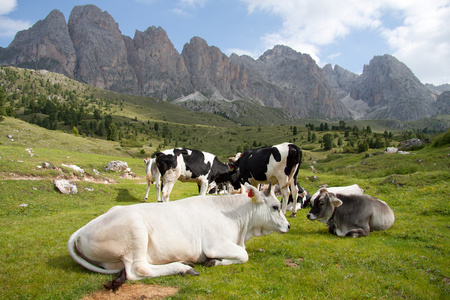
(193, 3)
(422, 41)
(7, 6)
(8, 26)
(334, 55)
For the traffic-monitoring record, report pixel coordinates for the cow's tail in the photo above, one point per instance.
(79, 258)
(157, 153)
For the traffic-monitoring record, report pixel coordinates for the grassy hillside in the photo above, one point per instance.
(410, 260)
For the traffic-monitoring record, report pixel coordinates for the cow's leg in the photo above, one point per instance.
(203, 187)
(148, 189)
(137, 266)
(285, 198)
(226, 254)
(294, 192)
(358, 232)
(158, 187)
(168, 181)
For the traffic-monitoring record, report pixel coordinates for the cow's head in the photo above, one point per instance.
(323, 206)
(233, 177)
(268, 216)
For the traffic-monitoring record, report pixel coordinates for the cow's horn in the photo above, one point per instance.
(267, 192)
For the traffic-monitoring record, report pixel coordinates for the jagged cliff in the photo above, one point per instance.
(90, 48)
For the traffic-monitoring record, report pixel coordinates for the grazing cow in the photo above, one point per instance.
(275, 164)
(187, 165)
(158, 239)
(303, 200)
(153, 176)
(351, 215)
(353, 189)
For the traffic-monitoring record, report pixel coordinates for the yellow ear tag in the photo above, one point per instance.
(252, 196)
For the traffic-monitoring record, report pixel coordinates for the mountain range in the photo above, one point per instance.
(91, 49)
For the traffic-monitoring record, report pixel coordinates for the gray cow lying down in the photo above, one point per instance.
(159, 239)
(351, 215)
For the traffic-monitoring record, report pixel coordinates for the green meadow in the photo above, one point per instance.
(409, 261)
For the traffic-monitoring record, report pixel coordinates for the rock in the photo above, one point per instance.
(66, 187)
(391, 150)
(116, 166)
(74, 167)
(392, 91)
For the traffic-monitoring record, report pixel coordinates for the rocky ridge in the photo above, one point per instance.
(91, 49)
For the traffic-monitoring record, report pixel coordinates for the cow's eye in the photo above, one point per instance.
(276, 207)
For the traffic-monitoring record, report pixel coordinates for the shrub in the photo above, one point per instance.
(442, 139)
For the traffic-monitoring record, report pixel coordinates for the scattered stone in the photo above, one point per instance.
(89, 189)
(66, 187)
(96, 172)
(403, 152)
(74, 167)
(116, 166)
(9, 136)
(391, 150)
(23, 205)
(30, 152)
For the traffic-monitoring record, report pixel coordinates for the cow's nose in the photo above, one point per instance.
(289, 226)
(308, 216)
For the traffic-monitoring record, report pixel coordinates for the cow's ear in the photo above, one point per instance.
(336, 202)
(253, 193)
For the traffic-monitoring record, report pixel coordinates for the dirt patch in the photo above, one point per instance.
(134, 291)
(293, 263)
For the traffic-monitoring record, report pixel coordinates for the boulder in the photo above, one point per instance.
(66, 187)
(116, 166)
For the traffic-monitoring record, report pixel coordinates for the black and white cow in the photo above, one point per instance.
(153, 176)
(274, 164)
(351, 215)
(187, 165)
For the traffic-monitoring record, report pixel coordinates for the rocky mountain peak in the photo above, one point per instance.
(46, 45)
(100, 48)
(392, 90)
(90, 48)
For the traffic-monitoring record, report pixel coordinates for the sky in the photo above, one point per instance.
(348, 33)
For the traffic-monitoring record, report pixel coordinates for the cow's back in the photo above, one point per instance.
(356, 208)
(383, 216)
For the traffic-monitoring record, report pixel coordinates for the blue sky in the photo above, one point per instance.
(345, 32)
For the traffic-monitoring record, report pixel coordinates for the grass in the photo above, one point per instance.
(410, 260)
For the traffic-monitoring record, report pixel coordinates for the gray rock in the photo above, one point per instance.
(65, 187)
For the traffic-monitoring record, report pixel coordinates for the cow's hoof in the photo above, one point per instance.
(210, 262)
(293, 215)
(192, 272)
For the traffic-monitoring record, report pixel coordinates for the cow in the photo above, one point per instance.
(275, 164)
(351, 215)
(187, 165)
(158, 239)
(303, 200)
(153, 176)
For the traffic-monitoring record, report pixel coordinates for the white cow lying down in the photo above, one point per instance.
(155, 239)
